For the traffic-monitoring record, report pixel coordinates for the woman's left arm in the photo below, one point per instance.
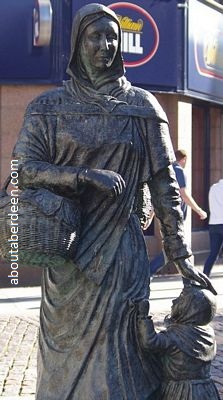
(166, 201)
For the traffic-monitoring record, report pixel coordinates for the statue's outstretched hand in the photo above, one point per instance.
(107, 181)
(187, 270)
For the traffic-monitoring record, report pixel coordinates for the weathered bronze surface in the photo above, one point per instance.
(98, 139)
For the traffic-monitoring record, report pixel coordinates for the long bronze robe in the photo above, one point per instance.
(88, 347)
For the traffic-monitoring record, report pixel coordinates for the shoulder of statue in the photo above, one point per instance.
(47, 102)
(143, 98)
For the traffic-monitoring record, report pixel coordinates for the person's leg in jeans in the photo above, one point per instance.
(157, 263)
(216, 241)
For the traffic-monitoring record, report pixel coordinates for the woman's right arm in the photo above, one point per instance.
(35, 152)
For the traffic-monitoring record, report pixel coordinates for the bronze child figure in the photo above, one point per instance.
(186, 347)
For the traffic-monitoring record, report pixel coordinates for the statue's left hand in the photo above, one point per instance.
(107, 181)
(186, 269)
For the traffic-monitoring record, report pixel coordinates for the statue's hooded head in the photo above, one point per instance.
(84, 17)
(194, 306)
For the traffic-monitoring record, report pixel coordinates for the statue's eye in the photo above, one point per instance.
(111, 37)
(94, 36)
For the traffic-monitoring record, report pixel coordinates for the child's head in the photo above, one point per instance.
(194, 306)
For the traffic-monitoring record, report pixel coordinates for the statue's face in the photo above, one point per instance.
(99, 45)
(176, 303)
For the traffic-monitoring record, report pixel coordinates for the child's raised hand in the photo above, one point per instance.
(143, 309)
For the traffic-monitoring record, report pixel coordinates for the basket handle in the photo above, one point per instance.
(3, 191)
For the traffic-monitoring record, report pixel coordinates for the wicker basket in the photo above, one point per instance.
(48, 230)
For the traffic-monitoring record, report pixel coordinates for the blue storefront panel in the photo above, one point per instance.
(149, 37)
(205, 50)
(167, 45)
(34, 40)
(20, 59)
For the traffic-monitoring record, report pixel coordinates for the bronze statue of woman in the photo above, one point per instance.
(99, 139)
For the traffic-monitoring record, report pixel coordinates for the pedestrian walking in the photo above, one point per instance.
(187, 199)
(215, 198)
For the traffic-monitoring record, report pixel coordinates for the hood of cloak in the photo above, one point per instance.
(188, 328)
(83, 18)
(194, 306)
(109, 89)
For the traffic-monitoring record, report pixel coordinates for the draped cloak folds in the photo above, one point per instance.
(87, 345)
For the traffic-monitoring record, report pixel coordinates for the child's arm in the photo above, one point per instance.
(147, 336)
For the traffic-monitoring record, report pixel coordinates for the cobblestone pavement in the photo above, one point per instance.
(19, 339)
(18, 349)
